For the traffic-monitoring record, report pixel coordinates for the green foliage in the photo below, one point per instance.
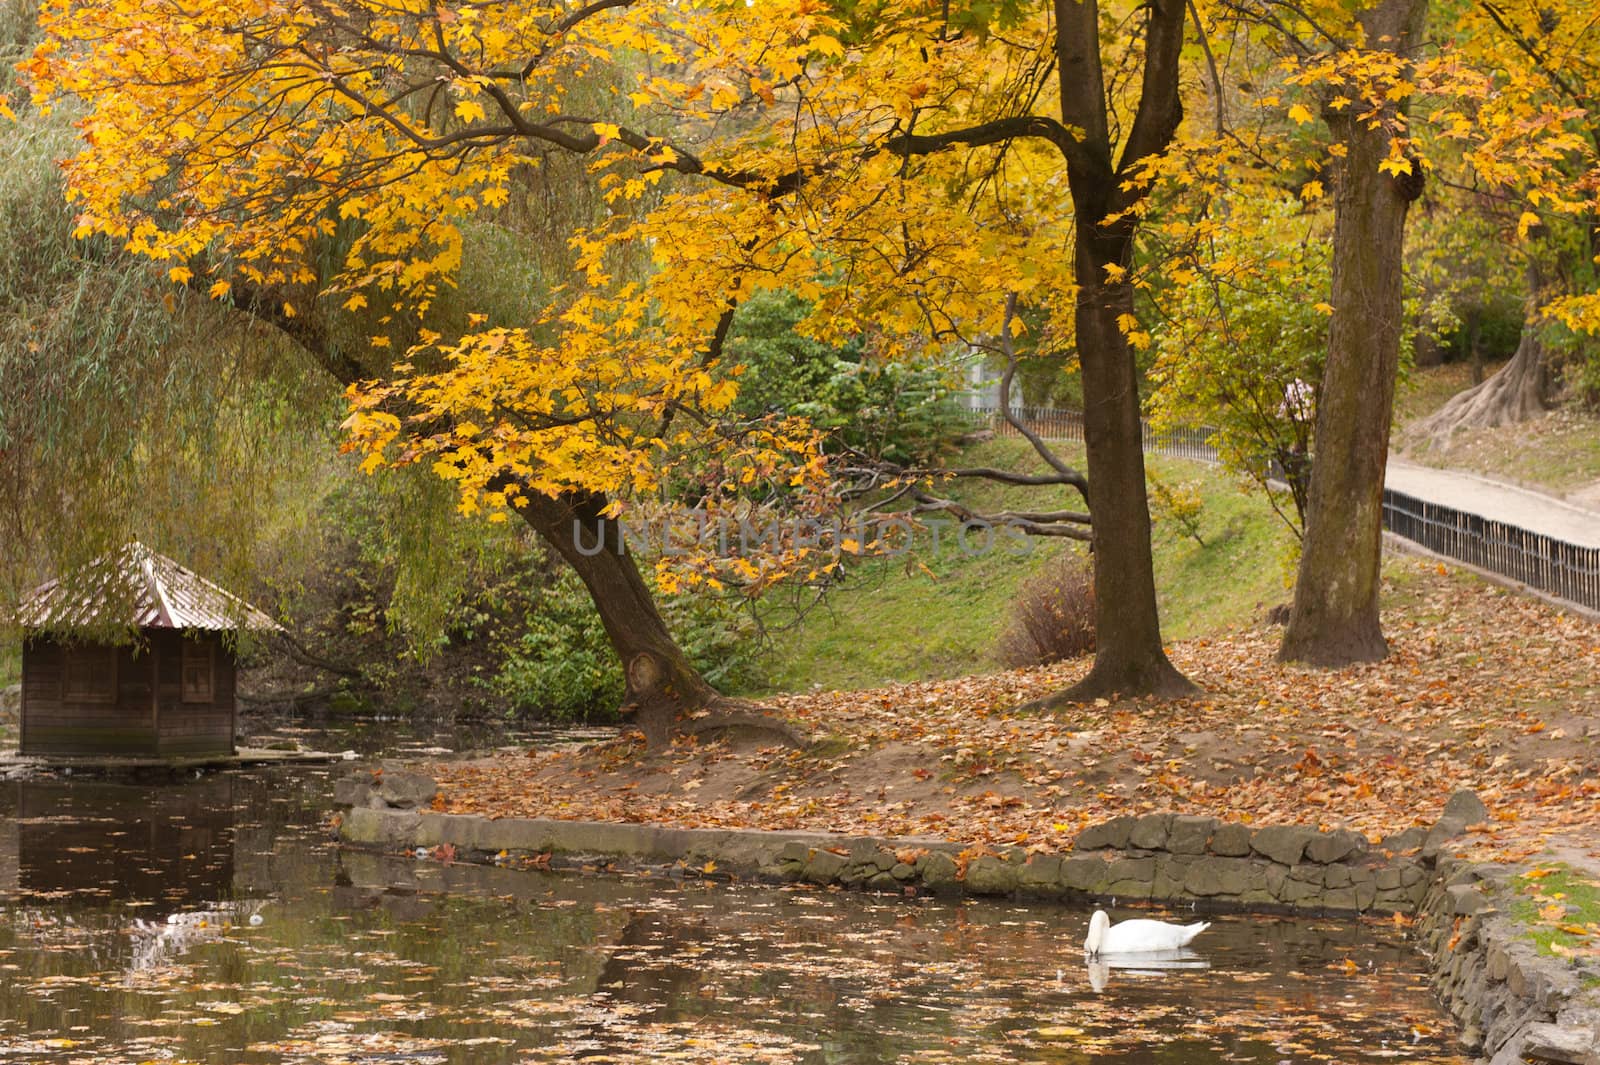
(1467, 285)
(127, 409)
(1180, 504)
(902, 412)
(1242, 348)
(561, 666)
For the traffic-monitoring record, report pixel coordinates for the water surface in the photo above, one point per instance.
(366, 958)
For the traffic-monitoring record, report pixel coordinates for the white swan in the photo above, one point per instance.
(1137, 937)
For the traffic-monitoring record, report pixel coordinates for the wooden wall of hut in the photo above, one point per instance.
(170, 694)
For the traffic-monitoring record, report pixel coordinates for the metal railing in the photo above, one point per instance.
(1542, 562)
(1053, 423)
(1555, 567)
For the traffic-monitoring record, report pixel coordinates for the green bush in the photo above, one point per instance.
(561, 666)
(897, 411)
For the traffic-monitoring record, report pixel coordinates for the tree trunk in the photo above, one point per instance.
(1334, 620)
(662, 682)
(1129, 659)
(1514, 393)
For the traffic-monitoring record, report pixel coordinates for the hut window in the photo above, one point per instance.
(90, 675)
(196, 672)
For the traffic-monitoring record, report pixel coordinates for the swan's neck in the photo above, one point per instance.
(1097, 934)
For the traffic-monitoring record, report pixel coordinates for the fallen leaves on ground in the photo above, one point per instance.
(1483, 690)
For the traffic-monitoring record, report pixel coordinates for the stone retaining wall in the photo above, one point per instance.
(1510, 1001)
(1513, 1003)
(1152, 857)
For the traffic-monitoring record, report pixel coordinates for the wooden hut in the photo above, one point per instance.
(162, 685)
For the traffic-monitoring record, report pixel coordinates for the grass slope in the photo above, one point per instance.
(931, 615)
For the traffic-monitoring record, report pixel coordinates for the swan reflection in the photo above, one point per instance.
(1150, 963)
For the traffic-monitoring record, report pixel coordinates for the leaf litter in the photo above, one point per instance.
(1482, 690)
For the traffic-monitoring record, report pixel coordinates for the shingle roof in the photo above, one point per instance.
(137, 586)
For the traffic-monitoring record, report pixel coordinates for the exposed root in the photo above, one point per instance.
(736, 716)
(1514, 393)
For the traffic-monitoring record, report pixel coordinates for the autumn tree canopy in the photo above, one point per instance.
(912, 172)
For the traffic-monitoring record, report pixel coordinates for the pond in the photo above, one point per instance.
(213, 920)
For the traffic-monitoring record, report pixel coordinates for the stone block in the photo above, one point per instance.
(1041, 875)
(1344, 898)
(1409, 840)
(883, 882)
(1083, 872)
(938, 870)
(1466, 899)
(1189, 834)
(903, 872)
(1171, 872)
(1466, 807)
(823, 867)
(1284, 844)
(1131, 870)
(1231, 841)
(1337, 846)
(1150, 832)
(1337, 876)
(794, 851)
(354, 789)
(1223, 876)
(1447, 829)
(991, 876)
(403, 789)
(1300, 893)
(1112, 833)
(864, 852)
(1553, 1042)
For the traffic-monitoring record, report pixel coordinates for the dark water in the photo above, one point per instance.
(366, 958)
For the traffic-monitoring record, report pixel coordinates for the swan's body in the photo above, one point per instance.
(1137, 937)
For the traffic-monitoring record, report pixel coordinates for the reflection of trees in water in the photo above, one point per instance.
(120, 842)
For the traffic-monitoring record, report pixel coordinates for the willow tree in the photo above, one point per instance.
(127, 410)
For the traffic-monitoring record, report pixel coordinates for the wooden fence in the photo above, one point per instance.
(1552, 566)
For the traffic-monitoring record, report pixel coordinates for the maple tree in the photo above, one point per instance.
(904, 197)
(1241, 347)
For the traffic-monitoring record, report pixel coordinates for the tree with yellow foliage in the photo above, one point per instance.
(907, 172)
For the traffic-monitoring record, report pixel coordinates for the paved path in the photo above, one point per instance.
(1497, 501)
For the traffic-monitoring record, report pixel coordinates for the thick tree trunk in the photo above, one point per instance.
(666, 694)
(1334, 620)
(1129, 659)
(1514, 393)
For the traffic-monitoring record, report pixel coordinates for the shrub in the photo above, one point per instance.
(1052, 618)
(561, 666)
